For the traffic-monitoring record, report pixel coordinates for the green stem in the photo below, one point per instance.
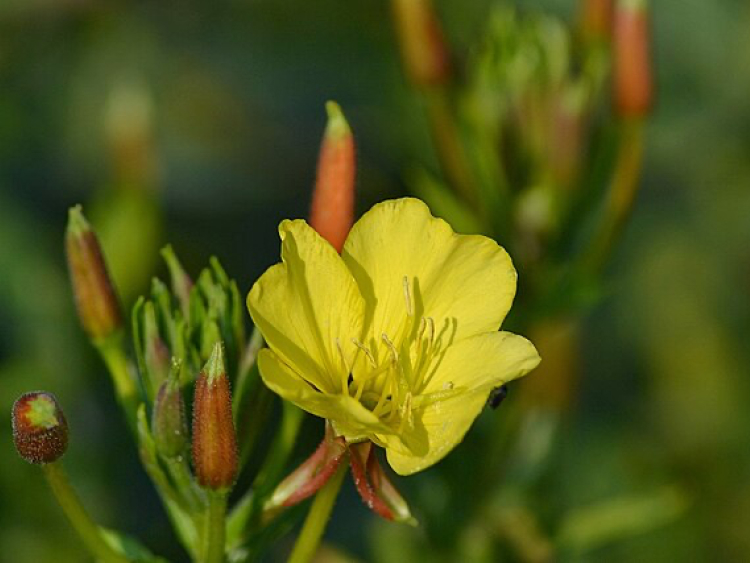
(249, 507)
(215, 529)
(113, 353)
(79, 518)
(185, 485)
(448, 144)
(248, 361)
(317, 518)
(622, 192)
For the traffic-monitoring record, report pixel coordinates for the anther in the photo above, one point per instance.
(392, 348)
(407, 297)
(366, 351)
(430, 330)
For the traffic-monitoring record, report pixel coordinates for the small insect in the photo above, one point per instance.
(497, 395)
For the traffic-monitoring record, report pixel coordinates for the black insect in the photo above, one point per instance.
(497, 395)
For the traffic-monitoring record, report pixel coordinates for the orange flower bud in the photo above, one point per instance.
(633, 86)
(214, 440)
(332, 211)
(596, 19)
(40, 431)
(423, 48)
(96, 301)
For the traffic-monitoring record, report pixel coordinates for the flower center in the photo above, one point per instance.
(393, 372)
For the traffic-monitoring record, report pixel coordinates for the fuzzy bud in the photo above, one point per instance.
(214, 441)
(169, 425)
(96, 301)
(633, 85)
(332, 210)
(40, 431)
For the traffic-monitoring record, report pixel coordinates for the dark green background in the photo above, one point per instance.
(238, 91)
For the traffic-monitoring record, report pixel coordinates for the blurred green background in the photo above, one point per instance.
(198, 124)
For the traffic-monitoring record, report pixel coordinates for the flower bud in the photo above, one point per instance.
(596, 20)
(168, 423)
(214, 441)
(156, 355)
(181, 282)
(633, 86)
(332, 211)
(96, 302)
(422, 43)
(40, 431)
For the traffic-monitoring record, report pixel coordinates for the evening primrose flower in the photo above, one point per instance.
(396, 340)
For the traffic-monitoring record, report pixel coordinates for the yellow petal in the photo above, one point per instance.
(437, 430)
(309, 306)
(469, 368)
(466, 283)
(349, 417)
(483, 361)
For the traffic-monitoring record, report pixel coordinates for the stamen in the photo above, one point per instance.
(392, 348)
(420, 333)
(366, 351)
(407, 297)
(347, 369)
(406, 414)
(430, 330)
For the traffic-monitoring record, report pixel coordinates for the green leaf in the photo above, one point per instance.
(591, 527)
(130, 547)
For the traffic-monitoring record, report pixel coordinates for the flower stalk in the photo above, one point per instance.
(317, 519)
(78, 516)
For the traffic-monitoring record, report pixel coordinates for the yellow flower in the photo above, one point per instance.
(396, 340)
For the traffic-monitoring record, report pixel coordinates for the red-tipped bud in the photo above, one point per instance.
(633, 84)
(169, 425)
(423, 47)
(182, 284)
(40, 431)
(596, 20)
(309, 477)
(375, 488)
(214, 441)
(332, 211)
(96, 302)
